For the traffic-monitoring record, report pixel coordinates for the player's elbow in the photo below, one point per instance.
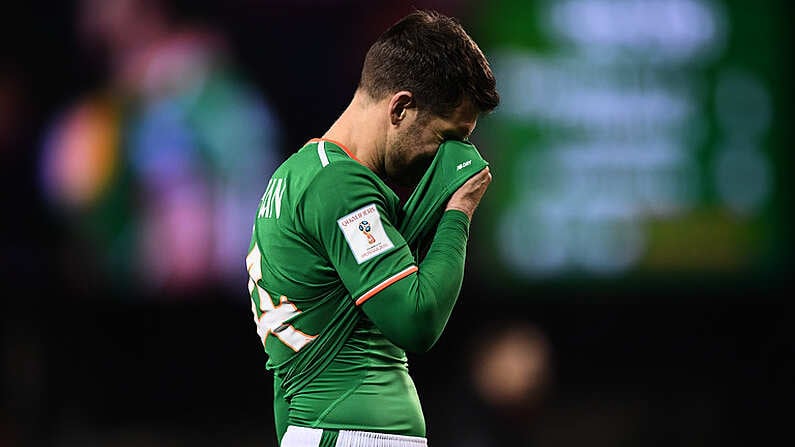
(421, 341)
(410, 338)
(418, 347)
(422, 346)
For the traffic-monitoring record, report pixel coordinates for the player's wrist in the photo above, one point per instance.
(463, 210)
(455, 217)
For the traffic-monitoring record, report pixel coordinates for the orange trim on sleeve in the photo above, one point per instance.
(386, 283)
(347, 151)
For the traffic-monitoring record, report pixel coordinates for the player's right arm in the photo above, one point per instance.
(410, 304)
(413, 312)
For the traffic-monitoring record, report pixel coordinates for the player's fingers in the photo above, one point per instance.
(480, 179)
(488, 176)
(484, 179)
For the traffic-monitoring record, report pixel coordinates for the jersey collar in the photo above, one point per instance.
(336, 143)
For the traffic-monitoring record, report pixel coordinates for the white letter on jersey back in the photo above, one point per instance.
(272, 199)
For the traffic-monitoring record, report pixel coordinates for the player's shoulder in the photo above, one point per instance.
(336, 168)
(309, 165)
(342, 181)
(316, 155)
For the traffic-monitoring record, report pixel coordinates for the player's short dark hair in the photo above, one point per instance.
(430, 55)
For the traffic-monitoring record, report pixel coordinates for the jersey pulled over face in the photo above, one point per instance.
(411, 151)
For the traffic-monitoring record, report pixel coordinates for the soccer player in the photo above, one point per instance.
(337, 294)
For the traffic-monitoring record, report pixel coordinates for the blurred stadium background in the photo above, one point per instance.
(628, 269)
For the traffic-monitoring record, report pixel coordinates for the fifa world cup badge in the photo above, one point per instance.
(364, 227)
(364, 232)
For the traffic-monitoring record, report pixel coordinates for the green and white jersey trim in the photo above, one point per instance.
(321, 152)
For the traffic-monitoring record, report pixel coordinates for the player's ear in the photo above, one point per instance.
(399, 106)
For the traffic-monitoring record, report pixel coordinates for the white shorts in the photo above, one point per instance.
(310, 437)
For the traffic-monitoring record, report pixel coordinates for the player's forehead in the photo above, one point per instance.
(461, 123)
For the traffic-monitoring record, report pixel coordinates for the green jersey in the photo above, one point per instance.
(325, 241)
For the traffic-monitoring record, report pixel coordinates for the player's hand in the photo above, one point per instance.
(468, 196)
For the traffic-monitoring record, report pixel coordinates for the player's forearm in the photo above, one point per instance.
(413, 312)
(439, 278)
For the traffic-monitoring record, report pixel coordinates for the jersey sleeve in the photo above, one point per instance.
(347, 217)
(414, 311)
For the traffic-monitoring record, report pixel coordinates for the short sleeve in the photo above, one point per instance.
(347, 216)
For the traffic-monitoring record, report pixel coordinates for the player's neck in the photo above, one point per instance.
(361, 130)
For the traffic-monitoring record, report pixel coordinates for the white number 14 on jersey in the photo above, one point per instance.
(272, 317)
